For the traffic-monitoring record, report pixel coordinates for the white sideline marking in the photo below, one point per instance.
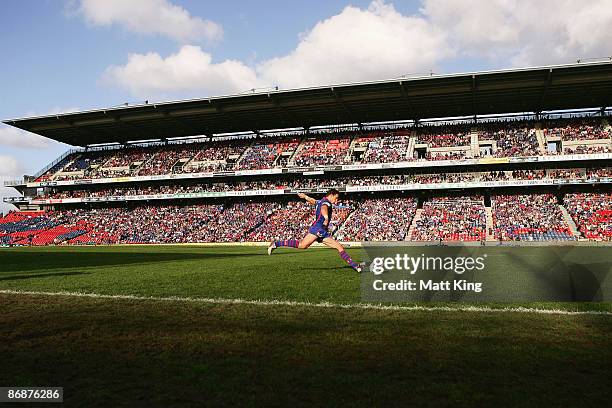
(363, 306)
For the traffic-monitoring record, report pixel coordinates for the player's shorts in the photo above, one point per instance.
(320, 231)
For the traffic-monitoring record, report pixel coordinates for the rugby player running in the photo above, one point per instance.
(318, 231)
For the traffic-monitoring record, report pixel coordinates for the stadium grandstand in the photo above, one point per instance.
(512, 155)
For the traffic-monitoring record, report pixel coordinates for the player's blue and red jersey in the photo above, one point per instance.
(320, 220)
(319, 228)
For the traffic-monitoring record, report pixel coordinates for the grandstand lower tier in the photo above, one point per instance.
(523, 217)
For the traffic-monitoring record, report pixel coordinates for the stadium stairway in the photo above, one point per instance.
(135, 171)
(68, 163)
(541, 138)
(345, 222)
(411, 143)
(607, 127)
(297, 150)
(415, 219)
(244, 152)
(490, 236)
(474, 145)
(569, 221)
(352, 146)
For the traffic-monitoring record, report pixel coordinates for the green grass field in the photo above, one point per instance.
(159, 352)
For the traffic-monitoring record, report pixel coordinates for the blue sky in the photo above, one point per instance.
(78, 54)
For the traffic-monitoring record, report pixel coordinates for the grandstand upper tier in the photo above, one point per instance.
(405, 146)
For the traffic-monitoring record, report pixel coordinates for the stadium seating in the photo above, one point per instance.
(322, 151)
(451, 219)
(592, 213)
(386, 148)
(263, 154)
(444, 135)
(165, 160)
(534, 217)
(576, 129)
(292, 221)
(442, 142)
(512, 139)
(393, 217)
(328, 182)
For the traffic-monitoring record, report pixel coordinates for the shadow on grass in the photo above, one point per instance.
(15, 262)
(41, 275)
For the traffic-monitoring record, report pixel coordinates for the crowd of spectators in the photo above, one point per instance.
(533, 217)
(566, 173)
(387, 149)
(328, 148)
(451, 219)
(292, 221)
(592, 214)
(125, 157)
(587, 149)
(512, 138)
(444, 135)
(313, 183)
(151, 224)
(166, 159)
(576, 129)
(262, 154)
(392, 220)
(321, 151)
(599, 172)
(445, 155)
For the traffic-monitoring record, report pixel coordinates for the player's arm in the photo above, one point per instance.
(307, 198)
(325, 214)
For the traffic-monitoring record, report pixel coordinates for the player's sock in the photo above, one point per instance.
(292, 243)
(348, 260)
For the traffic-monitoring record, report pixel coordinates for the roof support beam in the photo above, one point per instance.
(229, 116)
(406, 98)
(547, 83)
(474, 89)
(186, 128)
(134, 129)
(342, 103)
(290, 115)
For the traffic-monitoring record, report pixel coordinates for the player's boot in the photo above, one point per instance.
(360, 267)
(271, 247)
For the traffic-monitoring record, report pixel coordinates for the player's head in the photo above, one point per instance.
(333, 195)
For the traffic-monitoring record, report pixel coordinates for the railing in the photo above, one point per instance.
(53, 163)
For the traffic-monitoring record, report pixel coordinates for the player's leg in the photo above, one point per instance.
(307, 241)
(293, 243)
(332, 243)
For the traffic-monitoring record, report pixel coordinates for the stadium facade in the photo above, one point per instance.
(521, 154)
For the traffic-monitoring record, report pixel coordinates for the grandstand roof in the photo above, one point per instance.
(560, 87)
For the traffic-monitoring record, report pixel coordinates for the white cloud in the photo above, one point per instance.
(150, 17)
(379, 42)
(523, 32)
(10, 168)
(190, 69)
(10, 136)
(357, 45)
